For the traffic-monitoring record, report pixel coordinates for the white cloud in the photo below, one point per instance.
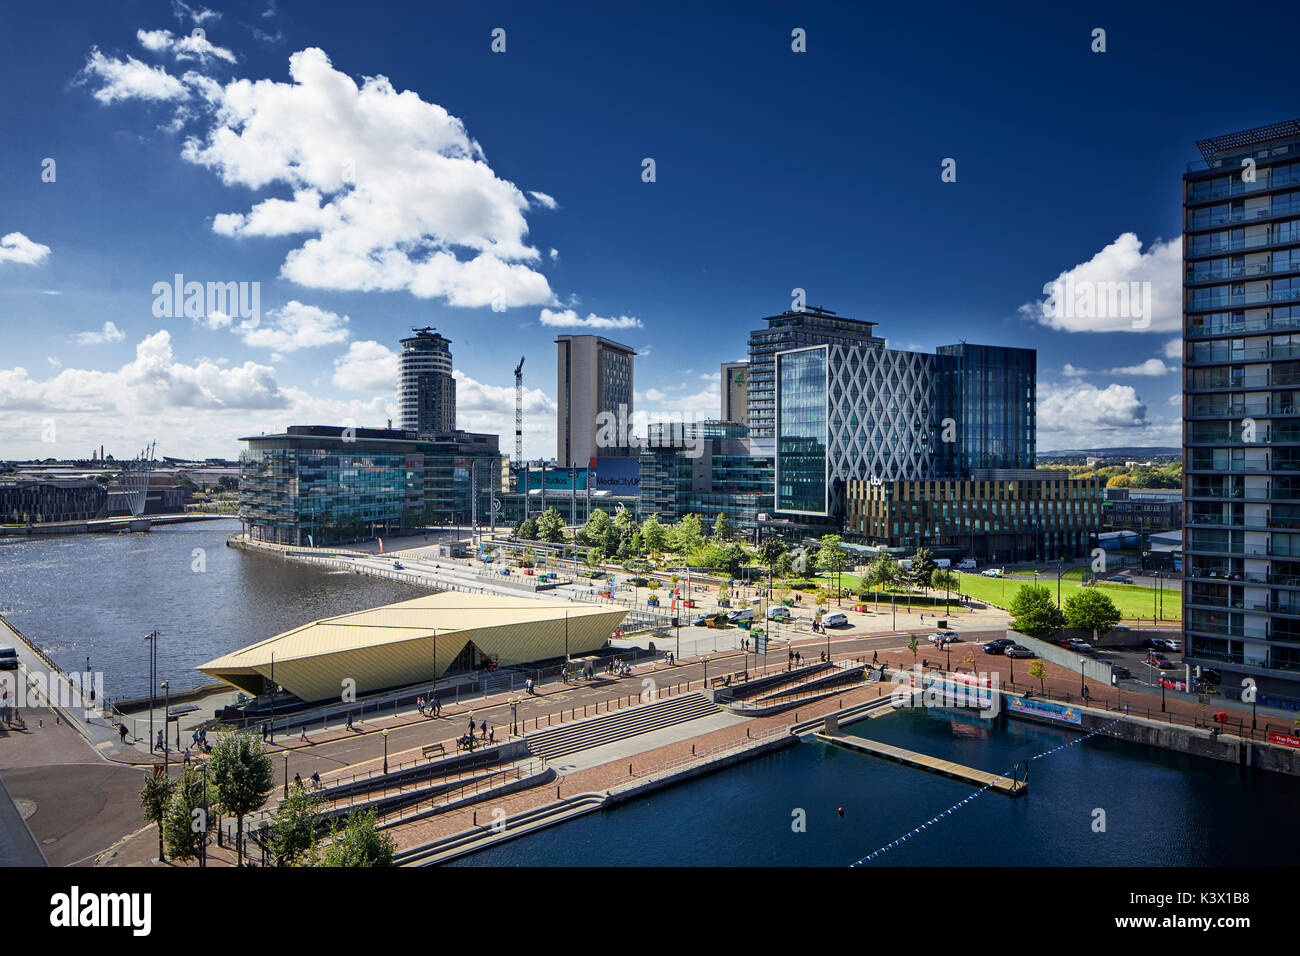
(192, 47)
(1080, 299)
(1152, 366)
(543, 200)
(17, 248)
(367, 367)
(196, 15)
(568, 319)
(555, 255)
(491, 408)
(1174, 350)
(393, 189)
(1079, 407)
(1071, 371)
(214, 320)
(654, 395)
(131, 79)
(297, 326)
(109, 333)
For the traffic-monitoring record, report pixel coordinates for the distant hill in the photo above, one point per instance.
(1124, 451)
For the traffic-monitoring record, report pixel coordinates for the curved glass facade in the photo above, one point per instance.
(801, 429)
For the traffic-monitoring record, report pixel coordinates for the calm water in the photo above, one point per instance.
(99, 594)
(1161, 808)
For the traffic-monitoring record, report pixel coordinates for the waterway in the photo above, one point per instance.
(99, 594)
(1160, 808)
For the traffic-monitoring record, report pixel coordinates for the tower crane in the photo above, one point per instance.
(519, 413)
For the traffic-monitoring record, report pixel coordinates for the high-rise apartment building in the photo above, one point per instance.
(735, 392)
(426, 391)
(792, 330)
(594, 376)
(1241, 410)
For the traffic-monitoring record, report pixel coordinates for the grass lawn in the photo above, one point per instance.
(1133, 601)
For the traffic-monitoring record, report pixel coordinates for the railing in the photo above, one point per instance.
(731, 746)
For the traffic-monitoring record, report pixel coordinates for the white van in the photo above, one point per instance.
(905, 564)
(942, 563)
(834, 619)
(966, 564)
(741, 614)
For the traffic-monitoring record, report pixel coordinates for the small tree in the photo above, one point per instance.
(724, 593)
(923, 568)
(1038, 671)
(357, 843)
(242, 776)
(1092, 609)
(1034, 611)
(154, 797)
(187, 821)
(654, 536)
(550, 526)
(294, 825)
(722, 528)
(943, 578)
(913, 645)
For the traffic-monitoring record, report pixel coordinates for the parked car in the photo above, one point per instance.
(1165, 664)
(1083, 647)
(966, 564)
(8, 659)
(1174, 645)
(943, 637)
(991, 573)
(1121, 579)
(998, 646)
(1120, 672)
(1154, 644)
(834, 619)
(1019, 650)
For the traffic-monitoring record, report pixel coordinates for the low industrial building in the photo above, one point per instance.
(413, 641)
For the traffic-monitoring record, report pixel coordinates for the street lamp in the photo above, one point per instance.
(1082, 686)
(385, 732)
(286, 774)
(166, 714)
(706, 673)
(152, 639)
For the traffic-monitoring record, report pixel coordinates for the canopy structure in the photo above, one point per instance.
(415, 640)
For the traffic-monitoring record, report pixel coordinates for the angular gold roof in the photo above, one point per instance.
(412, 641)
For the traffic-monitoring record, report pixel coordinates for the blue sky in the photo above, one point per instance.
(378, 167)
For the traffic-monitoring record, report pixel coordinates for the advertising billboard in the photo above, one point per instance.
(618, 476)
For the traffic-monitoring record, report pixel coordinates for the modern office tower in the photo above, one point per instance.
(792, 330)
(706, 468)
(325, 484)
(735, 392)
(426, 391)
(1241, 410)
(594, 379)
(896, 423)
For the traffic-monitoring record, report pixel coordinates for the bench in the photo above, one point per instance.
(430, 749)
(718, 680)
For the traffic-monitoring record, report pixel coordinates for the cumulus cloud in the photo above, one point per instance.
(1152, 366)
(1174, 350)
(543, 200)
(482, 407)
(1120, 289)
(196, 15)
(568, 319)
(17, 248)
(296, 326)
(192, 47)
(131, 79)
(1079, 406)
(367, 366)
(109, 333)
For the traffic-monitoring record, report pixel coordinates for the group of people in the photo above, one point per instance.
(314, 778)
(430, 707)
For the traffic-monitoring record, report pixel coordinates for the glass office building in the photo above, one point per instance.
(986, 399)
(1241, 410)
(801, 429)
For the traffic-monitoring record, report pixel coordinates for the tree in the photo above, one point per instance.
(785, 565)
(154, 797)
(724, 594)
(770, 552)
(949, 581)
(242, 776)
(913, 645)
(722, 529)
(1092, 609)
(654, 536)
(593, 558)
(187, 820)
(1119, 481)
(357, 843)
(687, 535)
(1038, 671)
(526, 530)
(882, 572)
(734, 557)
(923, 568)
(294, 825)
(832, 558)
(550, 526)
(1034, 611)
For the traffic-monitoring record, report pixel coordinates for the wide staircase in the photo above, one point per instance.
(608, 728)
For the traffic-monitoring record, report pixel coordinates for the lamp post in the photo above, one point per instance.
(166, 714)
(706, 673)
(152, 639)
(203, 852)
(286, 774)
(385, 750)
(1082, 686)
(273, 697)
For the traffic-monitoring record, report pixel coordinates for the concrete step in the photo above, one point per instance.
(607, 728)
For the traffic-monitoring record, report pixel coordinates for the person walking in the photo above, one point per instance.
(483, 729)
(302, 736)
(158, 744)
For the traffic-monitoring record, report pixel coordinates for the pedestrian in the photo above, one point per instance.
(874, 657)
(203, 737)
(121, 732)
(158, 745)
(492, 735)
(187, 756)
(302, 736)
(315, 779)
(264, 731)
(483, 728)
(419, 705)
(297, 780)
(349, 721)
(437, 707)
